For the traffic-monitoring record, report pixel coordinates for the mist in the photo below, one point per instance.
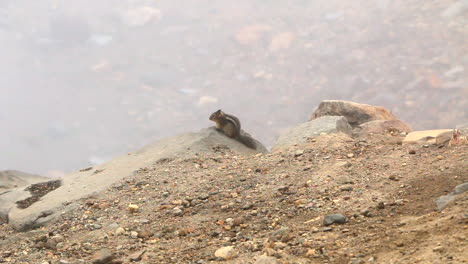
(85, 81)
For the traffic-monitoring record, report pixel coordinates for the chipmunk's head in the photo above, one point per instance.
(217, 115)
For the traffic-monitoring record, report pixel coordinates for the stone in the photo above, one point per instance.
(203, 196)
(461, 188)
(226, 253)
(300, 202)
(382, 126)
(247, 206)
(314, 128)
(133, 208)
(366, 212)
(355, 113)
(102, 256)
(439, 249)
(334, 219)
(145, 234)
(144, 221)
(282, 234)
(280, 245)
(177, 211)
(137, 256)
(298, 152)
(120, 231)
(266, 260)
(444, 200)
(438, 136)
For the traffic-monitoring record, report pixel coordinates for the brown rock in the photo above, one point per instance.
(438, 136)
(137, 256)
(237, 221)
(385, 126)
(355, 113)
(103, 256)
(226, 253)
(145, 234)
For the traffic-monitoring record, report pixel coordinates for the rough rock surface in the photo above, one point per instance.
(437, 136)
(384, 126)
(226, 253)
(87, 182)
(310, 129)
(13, 179)
(355, 113)
(267, 204)
(444, 200)
(12, 189)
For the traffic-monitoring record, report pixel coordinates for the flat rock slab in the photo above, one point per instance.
(85, 183)
(12, 185)
(437, 136)
(355, 113)
(300, 133)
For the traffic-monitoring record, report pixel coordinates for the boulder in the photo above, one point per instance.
(355, 113)
(87, 182)
(383, 126)
(437, 136)
(444, 200)
(314, 128)
(12, 189)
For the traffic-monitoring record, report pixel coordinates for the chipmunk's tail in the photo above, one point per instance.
(248, 141)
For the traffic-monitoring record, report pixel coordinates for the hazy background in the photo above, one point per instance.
(84, 81)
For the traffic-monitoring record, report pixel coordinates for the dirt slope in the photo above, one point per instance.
(270, 204)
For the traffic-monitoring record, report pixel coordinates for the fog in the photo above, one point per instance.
(84, 81)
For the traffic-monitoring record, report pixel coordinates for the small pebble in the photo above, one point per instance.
(226, 253)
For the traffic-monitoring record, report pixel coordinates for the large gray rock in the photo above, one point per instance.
(355, 113)
(85, 183)
(300, 133)
(12, 185)
(444, 200)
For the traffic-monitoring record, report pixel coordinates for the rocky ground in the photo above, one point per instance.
(241, 207)
(97, 73)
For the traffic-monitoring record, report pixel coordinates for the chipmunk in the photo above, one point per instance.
(231, 127)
